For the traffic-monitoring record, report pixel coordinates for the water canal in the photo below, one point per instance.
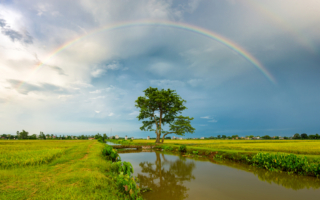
(176, 177)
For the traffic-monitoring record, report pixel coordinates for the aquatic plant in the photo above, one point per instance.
(182, 148)
(286, 162)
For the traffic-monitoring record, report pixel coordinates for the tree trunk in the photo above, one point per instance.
(158, 137)
(163, 137)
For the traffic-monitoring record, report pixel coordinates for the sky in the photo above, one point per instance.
(245, 67)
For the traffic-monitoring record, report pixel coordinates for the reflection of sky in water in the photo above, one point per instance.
(225, 181)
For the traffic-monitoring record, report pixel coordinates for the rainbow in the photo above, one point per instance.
(275, 18)
(178, 25)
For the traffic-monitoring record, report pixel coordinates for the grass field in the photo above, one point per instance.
(54, 170)
(306, 147)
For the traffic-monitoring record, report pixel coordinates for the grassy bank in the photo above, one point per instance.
(56, 170)
(292, 156)
(304, 147)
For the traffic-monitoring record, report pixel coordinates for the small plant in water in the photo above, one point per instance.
(195, 152)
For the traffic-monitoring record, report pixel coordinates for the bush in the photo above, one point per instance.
(195, 152)
(183, 148)
(167, 148)
(111, 153)
(122, 167)
(127, 184)
(285, 162)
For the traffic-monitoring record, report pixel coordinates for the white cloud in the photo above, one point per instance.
(206, 117)
(134, 113)
(97, 111)
(214, 121)
(95, 92)
(64, 96)
(101, 70)
(98, 97)
(111, 114)
(167, 83)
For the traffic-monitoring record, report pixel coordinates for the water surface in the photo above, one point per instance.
(176, 177)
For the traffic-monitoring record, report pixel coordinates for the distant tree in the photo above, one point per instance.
(304, 136)
(224, 136)
(276, 137)
(23, 135)
(317, 136)
(267, 137)
(42, 136)
(104, 137)
(234, 136)
(251, 136)
(296, 136)
(161, 107)
(312, 137)
(218, 136)
(97, 136)
(33, 137)
(285, 137)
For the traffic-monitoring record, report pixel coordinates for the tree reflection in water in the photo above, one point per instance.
(166, 178)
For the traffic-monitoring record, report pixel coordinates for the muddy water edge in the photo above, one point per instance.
(177, 177)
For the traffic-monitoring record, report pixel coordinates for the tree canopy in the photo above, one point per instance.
(160, 108)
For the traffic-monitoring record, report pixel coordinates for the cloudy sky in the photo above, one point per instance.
(246, 67)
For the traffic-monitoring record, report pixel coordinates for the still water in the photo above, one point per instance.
(176, 177)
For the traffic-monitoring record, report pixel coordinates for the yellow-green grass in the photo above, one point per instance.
(306, 147)
(81, 172)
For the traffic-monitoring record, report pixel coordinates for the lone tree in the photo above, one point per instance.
(160, 108)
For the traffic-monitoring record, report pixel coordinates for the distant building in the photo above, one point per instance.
(148, 138)
(117, 137)
(172, 138)
(90, 138)
(126, 138)
(202, 138)
(237, 138)
(132, 138)
(258, 138)
(181, 138)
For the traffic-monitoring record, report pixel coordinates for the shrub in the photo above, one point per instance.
(195, 152)
(285, 162)
(183, 148)
(111, 153)
(122, 167)
(127, 184)
(167, 148)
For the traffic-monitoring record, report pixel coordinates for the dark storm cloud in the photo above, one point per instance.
(25, 88)
(15, 35)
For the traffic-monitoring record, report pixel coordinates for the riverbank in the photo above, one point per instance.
(79, 171)
(292, 156)
(171, 175)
